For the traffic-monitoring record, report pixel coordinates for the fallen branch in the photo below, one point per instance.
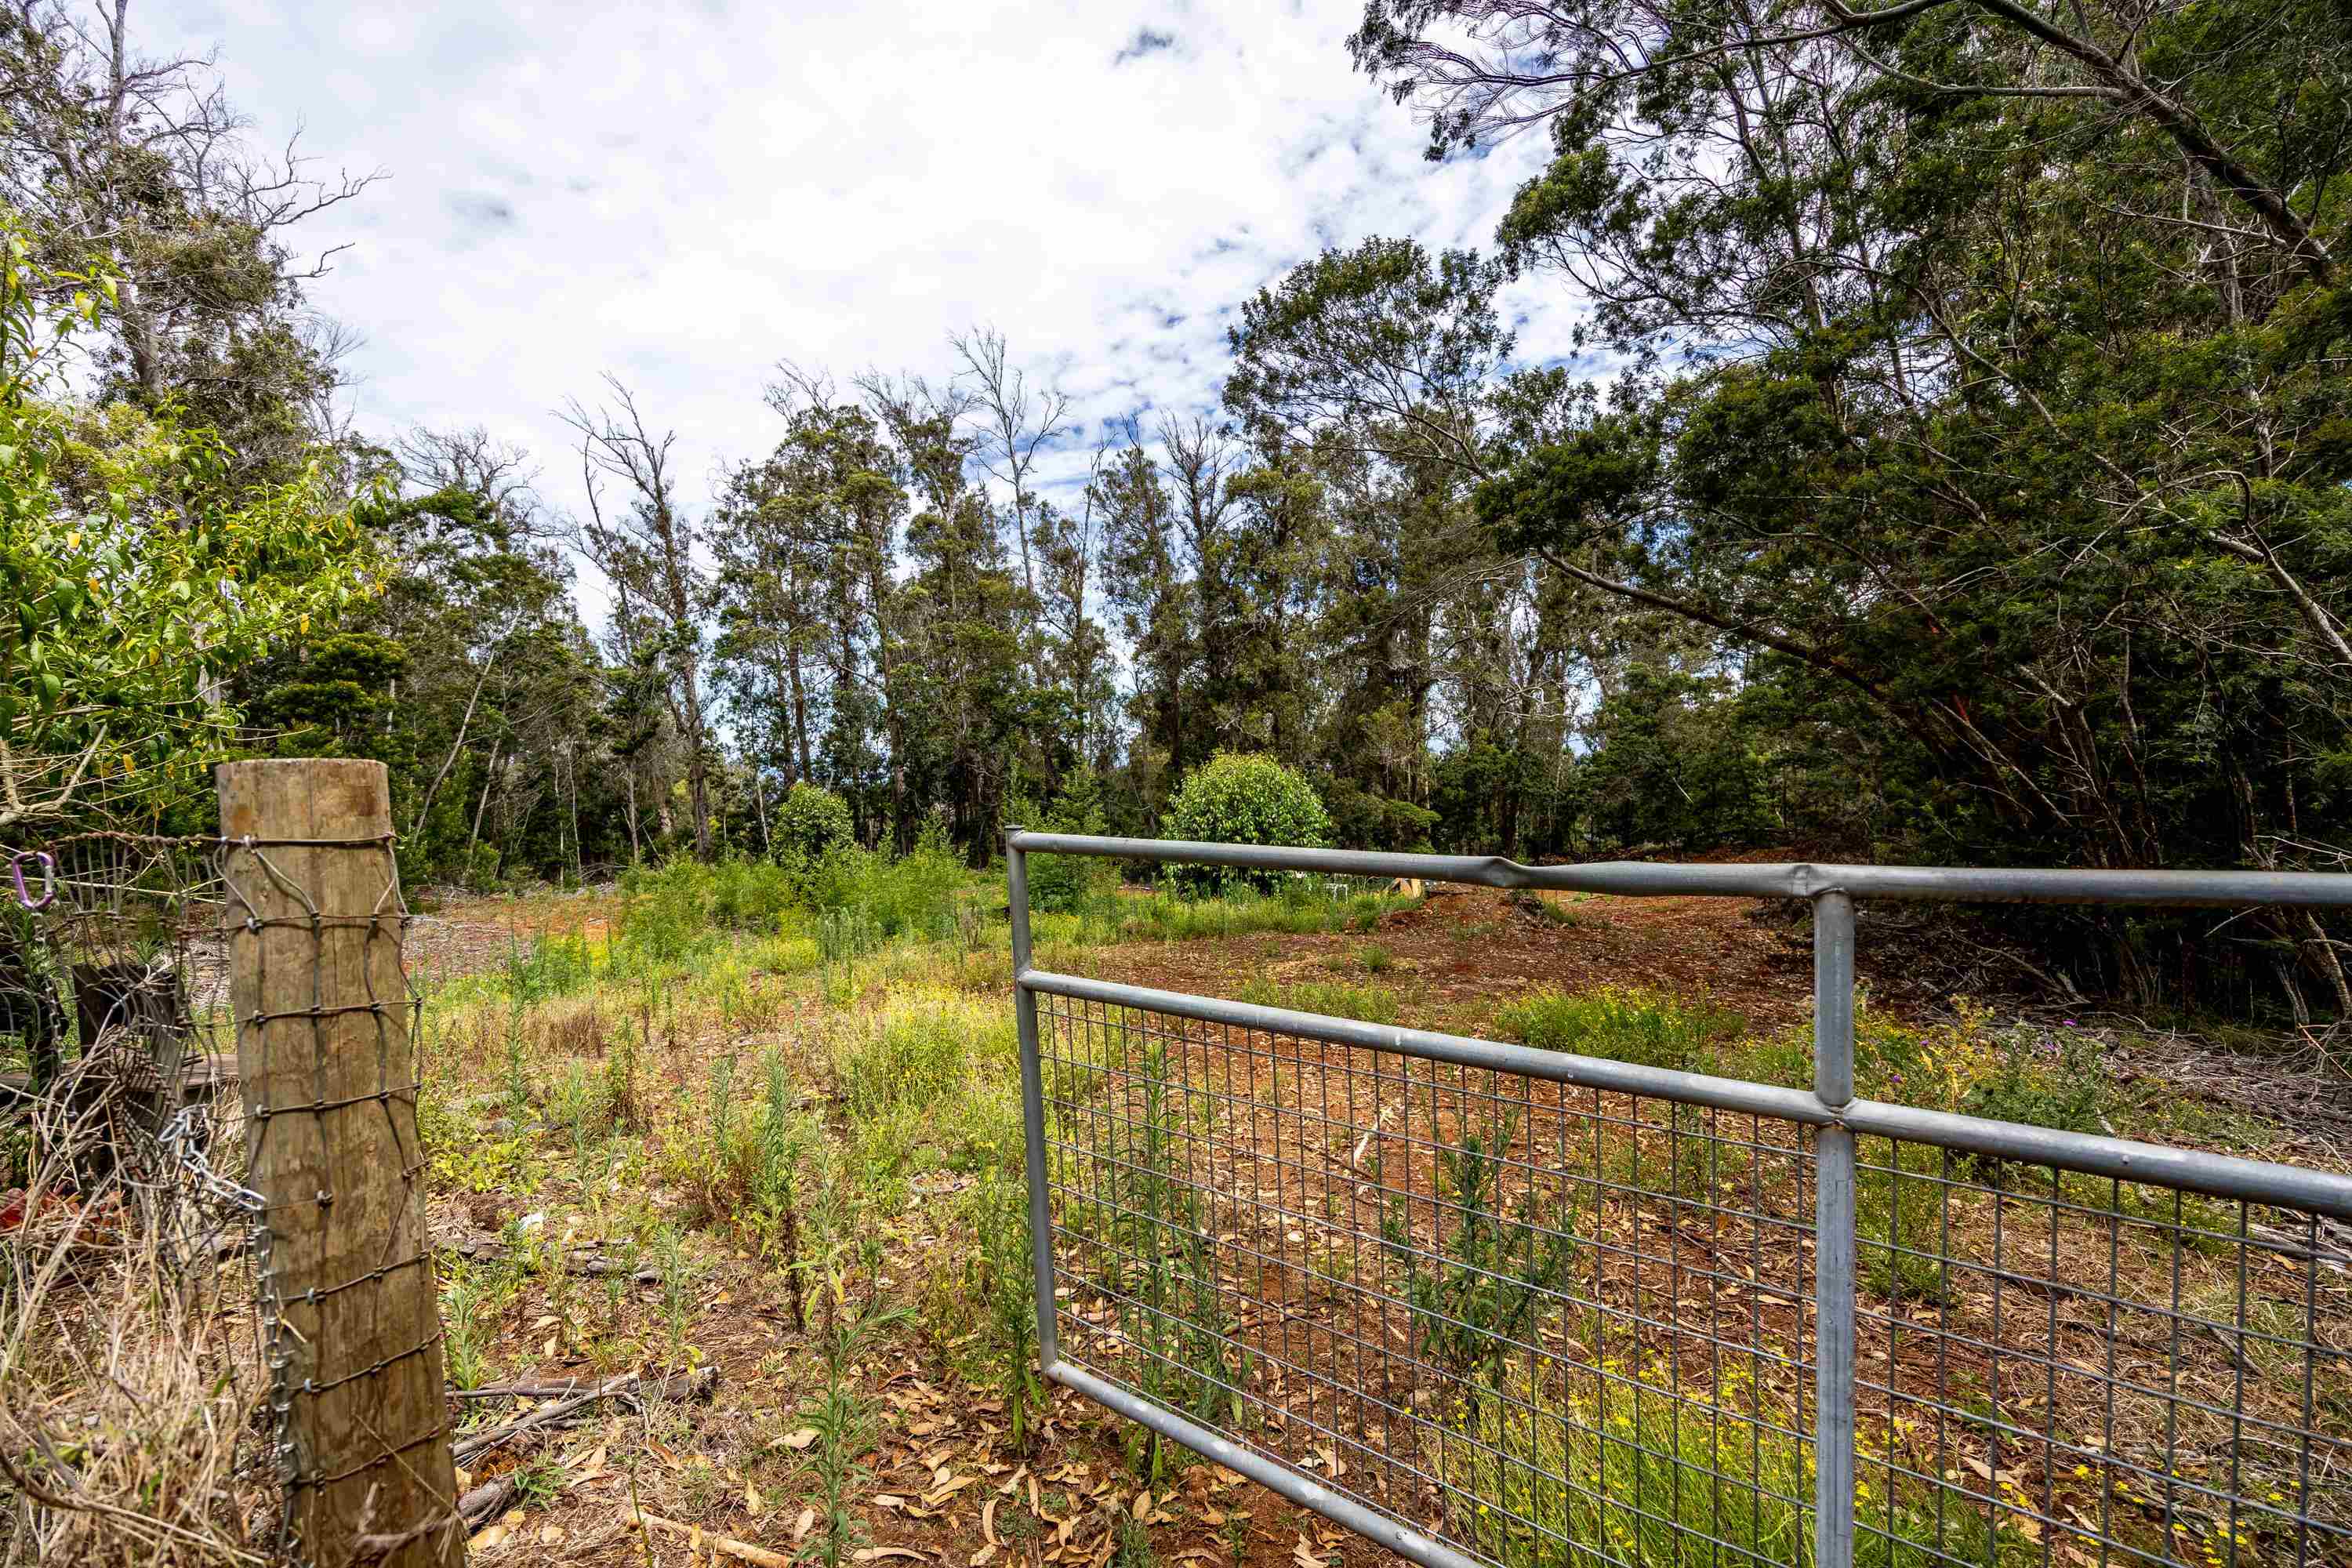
(723, 1545)
(559, 1389)
(692, 1385)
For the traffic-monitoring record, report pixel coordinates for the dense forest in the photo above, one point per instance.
(1953, 469)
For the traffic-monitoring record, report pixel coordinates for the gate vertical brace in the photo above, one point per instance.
(1033, 1100)
(1834, 1235)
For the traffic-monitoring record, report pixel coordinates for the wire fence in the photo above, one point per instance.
(1489, 1304)
(220, 1108)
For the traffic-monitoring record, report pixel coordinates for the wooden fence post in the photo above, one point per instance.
(329, 1076)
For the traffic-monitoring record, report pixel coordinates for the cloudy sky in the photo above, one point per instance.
(682, 194)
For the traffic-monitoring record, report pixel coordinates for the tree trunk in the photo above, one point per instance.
(489, 777)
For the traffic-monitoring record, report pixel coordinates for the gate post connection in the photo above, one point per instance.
(1033, 1097)
(313, 918)
(1834, 1235)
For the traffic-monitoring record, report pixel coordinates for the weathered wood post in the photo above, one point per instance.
(352, 1323)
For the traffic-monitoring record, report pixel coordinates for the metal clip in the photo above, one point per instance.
(49, 863)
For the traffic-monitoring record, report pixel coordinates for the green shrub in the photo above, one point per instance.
(748, 895)
(1238, 797)
(668, 918)
(916, 896)
(811, 824)
(1646, 1027)
(2042, 1080)
(550, 966)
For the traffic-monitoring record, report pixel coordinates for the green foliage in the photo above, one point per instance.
(1673, 764)
(1159, 1263)
(1334, 999)
(1067, 883)
(846, 1422)
(1244, 798)
(1641, 1474)
(910, 1056)
(993, 1307)
(1503, 1260)
(551, 965)
(1624, 1024)
(132, 572)
(2042, 1080)
(811, 824)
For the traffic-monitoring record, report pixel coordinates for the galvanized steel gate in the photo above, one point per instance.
(1479, 1303)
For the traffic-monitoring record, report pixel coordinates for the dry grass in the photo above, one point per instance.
(129, 1373)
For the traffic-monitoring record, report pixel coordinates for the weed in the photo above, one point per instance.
(1133, 1548)
(1470, 1307)
(1375, 959)
(537, 1482)
(785, 1139)
(1624, 1024)
(518, 1071)
(1369, 1003)
(845, 936)
(2042, 1079)
(677, 1272)
(469, 1312)
(1550, 1478)
(1174, 1312)
(550, 967)
(1900, 1222)
(845, 1425)
(997, 1277)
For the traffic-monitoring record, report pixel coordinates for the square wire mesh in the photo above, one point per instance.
(1538, 1323)
(2060, 1367)
(1549, 1325)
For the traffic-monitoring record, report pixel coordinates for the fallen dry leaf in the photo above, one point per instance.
(801, 1437)
(983, 1554)
(803, 1525)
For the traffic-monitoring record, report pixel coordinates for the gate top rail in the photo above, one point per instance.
(1643, 879)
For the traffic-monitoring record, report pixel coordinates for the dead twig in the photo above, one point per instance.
(692, 1385)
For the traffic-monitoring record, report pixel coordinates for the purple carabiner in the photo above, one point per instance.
(49, 877)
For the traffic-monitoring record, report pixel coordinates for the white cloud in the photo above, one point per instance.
(682, 195)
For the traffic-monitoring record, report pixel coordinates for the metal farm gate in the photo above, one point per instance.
(1483, 1303)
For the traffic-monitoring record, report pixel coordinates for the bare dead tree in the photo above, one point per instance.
(649, 550)
(1017, 422)
(142, 160)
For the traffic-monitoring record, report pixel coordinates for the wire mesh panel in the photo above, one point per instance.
(2096, 1370)
(1481, 1302)
(1533, 1322)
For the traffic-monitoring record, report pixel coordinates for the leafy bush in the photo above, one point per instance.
(1245, 797)
(914, 896)
(550, 966)
(811, 824)
(2042, 1081)
(668, 918)
(1646, 1027)
(748, 895)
